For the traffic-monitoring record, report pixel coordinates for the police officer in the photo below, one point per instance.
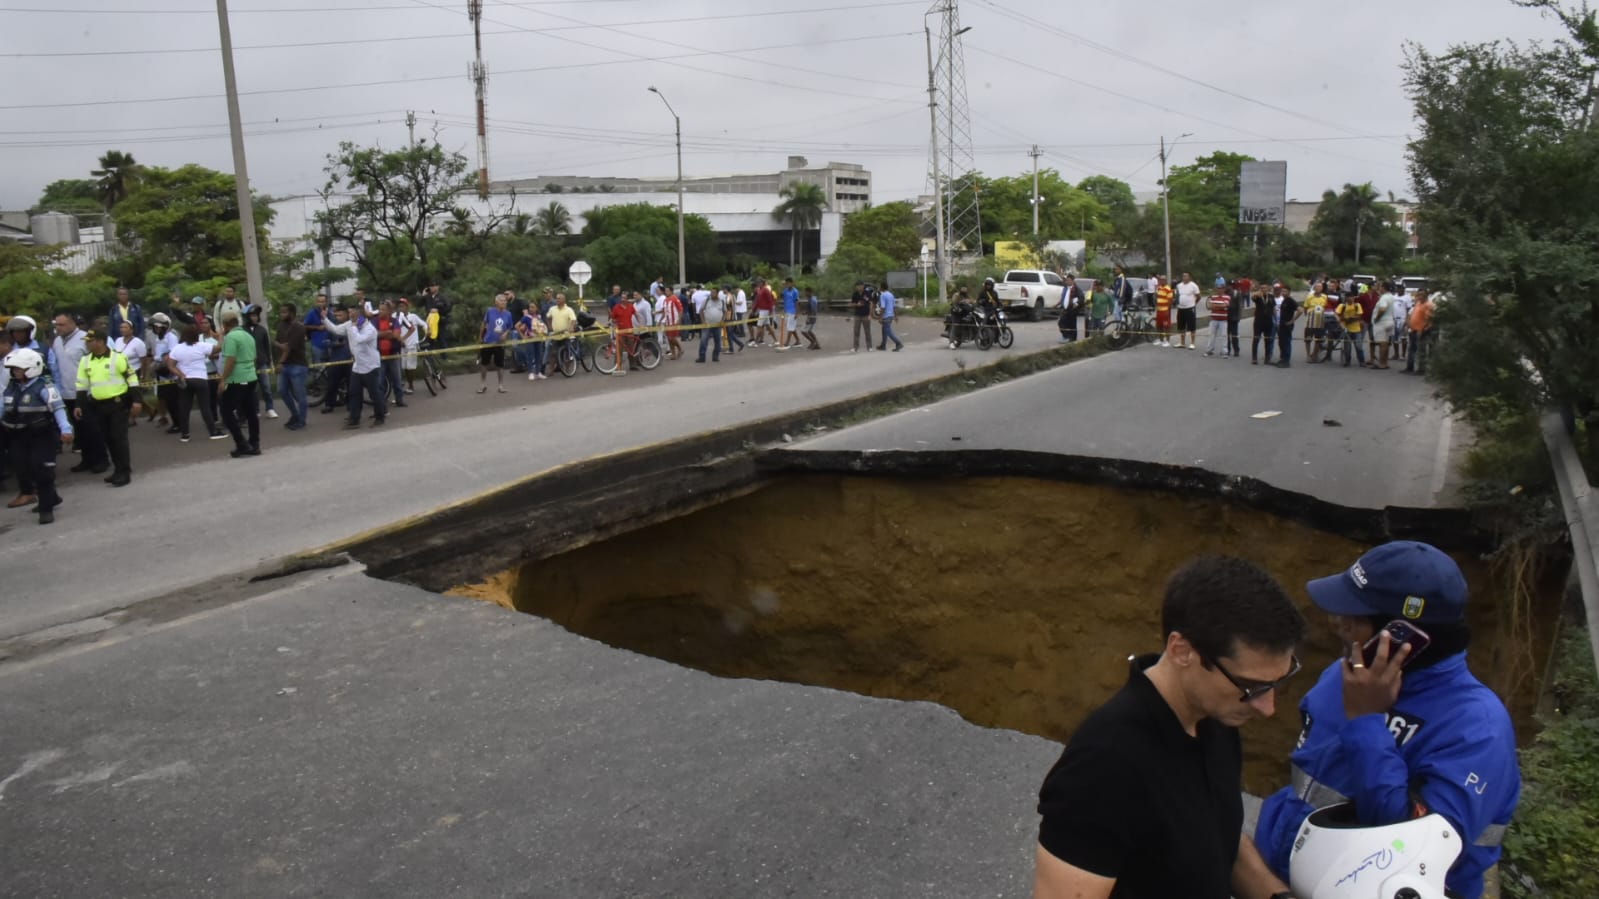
(35, 416)
(1409, 733)
(108, 394)
(22, 328)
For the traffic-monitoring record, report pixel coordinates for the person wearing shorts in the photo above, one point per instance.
(1163, 301)
(411, 330)
(812, 306)
(495, 331)
(1187, 311)
(1315, 306)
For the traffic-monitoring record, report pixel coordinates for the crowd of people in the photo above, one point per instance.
(1372, 324)
(86, 385)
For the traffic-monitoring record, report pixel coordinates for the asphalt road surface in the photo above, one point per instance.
(1358, 437)
(193, 514)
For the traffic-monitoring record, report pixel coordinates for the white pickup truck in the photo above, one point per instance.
(1030, 292)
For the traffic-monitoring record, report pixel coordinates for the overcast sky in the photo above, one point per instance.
(1316, 84)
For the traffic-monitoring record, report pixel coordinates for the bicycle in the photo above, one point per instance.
(432, 371)
(644, 350)
(571, 353)
(1135, 324)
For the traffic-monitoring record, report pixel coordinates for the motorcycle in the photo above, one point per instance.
(966, 324)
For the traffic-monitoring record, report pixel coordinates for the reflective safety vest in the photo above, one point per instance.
(106, 377)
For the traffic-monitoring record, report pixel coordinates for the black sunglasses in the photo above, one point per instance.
(1253, 691)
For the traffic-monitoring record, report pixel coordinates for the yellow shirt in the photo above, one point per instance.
(1349, 314)
(1315, 305)
(563, 319)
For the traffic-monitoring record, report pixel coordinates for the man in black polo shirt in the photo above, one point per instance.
(1145, 801)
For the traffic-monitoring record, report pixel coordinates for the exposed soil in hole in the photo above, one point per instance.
(1013, 601)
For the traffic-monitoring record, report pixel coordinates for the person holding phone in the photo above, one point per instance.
(1399, 725)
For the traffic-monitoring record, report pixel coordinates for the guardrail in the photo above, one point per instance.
(1582, 517)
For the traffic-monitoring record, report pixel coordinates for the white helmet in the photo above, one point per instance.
(20, 322)
(31, 363)
(1336, 858)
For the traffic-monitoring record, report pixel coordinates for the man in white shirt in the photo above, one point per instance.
(741, 311)
(133, 350)
(697, 303)
(411, 328)
(366, 367)
(1187, 310)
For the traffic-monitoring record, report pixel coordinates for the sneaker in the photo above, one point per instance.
(352, 426)
(1192, 347)
(545, 377)
(218, 435)
(1209, 353)
(378, 422)
(272, 413)
(174, 430)
(47, 516)
(184, 439)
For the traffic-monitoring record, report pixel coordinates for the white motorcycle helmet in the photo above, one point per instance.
(1334, 857)
(22, 323)
(29, 361)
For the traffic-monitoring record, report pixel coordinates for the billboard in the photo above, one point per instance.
(1263, 193)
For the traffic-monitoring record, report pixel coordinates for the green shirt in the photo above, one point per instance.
(239, 346)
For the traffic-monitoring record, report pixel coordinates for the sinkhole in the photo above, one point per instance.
(1013, 600)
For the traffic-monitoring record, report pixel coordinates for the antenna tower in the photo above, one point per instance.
(952, 144)
(480, 78)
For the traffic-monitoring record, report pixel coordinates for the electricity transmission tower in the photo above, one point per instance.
(953, 164)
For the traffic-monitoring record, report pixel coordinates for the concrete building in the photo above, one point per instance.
(848, 186)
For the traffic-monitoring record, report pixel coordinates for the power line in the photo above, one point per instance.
(1143, 63)
(436, 35)
(281, 9)
(451, 77)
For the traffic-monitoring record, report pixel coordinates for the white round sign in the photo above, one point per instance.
(580, 273)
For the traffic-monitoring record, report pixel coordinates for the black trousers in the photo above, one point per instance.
(238, 407)
(338, 380)
(86, 434)
(33, 456)
(111, 419)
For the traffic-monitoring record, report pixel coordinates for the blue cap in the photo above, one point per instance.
(1403, 579)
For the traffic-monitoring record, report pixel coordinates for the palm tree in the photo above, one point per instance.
(553, 221)
(118, 172)
(803, 205)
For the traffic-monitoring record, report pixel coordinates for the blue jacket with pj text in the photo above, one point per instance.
(1447, 744)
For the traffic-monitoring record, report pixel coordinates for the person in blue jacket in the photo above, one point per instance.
(1411, 733)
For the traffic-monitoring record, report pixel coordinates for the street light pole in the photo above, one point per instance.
(682, 257)
(940, 247)
(1165, 196)
(241, 175)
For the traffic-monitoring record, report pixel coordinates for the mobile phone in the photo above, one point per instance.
(1400, 633)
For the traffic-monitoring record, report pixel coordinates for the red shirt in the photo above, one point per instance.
(1219, 305)
(388, 345)
(1368, 302)
(622, 315)
(765, 300)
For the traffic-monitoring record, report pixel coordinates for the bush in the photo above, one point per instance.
(1551, 847)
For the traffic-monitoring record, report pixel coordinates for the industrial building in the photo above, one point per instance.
(848, 186)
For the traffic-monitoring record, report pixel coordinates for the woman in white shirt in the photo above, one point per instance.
(132, 349)
(190, 361)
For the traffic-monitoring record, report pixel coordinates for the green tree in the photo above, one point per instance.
(1064, 211)
(893, 229)
(1115, 195)
(1503, 168)
(1358, 227)
(74, 195)
(383, 204)
(630, 259)
(660, 222)
(28, 286)
(183, 224)
(553, 221)
(852, 262)
(116, 176)
(803, 205)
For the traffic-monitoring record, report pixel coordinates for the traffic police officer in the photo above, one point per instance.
(35, 416)
(111, 387)
(1401, 746)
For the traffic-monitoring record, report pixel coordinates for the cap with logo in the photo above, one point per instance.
(1403, 579)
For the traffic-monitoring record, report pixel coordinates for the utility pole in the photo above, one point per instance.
(480, 78)
(682, 257)
(940, 245)
(241, 174)
(1165, 196)
(1034, 154)
(410, 125)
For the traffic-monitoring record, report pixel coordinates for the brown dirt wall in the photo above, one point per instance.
(1013, 601)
